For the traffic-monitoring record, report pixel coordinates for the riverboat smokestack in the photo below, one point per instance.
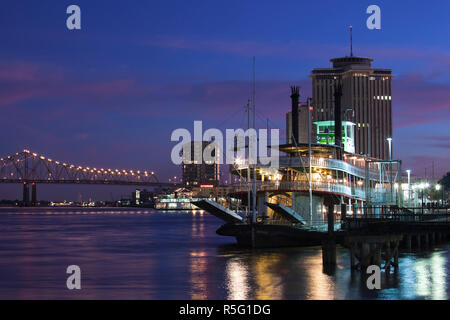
(338, 120)
(295, 97)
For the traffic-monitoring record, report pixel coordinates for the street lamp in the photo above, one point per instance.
(438, 187)
(389, 140)
(409, 184)
(422, 187)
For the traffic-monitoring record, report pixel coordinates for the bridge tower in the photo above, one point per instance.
(26, 194)
(33, 194)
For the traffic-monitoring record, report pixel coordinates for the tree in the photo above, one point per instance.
(445, 181)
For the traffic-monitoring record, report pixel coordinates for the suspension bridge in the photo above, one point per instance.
(29, 168)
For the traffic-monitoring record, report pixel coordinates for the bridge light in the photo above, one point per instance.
(42, 158)
(153, 172)
(34, 154)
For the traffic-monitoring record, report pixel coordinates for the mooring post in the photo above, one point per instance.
(365, 256)
(329, 244)
(427, 244)
(433, 238)
(418, 241)
(388, 256)
(330, 218)
(396, 256)
(329, 255)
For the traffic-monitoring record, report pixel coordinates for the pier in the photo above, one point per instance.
(378, 239)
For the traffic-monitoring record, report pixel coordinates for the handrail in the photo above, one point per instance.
(303, 186)
(324, 163)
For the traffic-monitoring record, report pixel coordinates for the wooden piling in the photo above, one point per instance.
(427, 243)
(330, 218)
(387, 266)
(396, 256)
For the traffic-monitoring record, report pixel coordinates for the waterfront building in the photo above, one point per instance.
(197, 172)
(141, 197)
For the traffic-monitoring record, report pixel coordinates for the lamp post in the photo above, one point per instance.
(409, 185)
(438, 187)
(389, 140)
(423, 186)
(421, 189)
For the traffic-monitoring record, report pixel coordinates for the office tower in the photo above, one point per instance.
(366, 101)
(198, 173)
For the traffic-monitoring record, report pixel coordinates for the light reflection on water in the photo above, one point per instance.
(144, 254)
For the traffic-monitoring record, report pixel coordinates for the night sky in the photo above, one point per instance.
(110, 94)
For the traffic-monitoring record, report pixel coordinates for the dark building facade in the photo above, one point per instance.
(196, 174)
(366, 101)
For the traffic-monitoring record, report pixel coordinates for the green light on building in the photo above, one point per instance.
(326, 134)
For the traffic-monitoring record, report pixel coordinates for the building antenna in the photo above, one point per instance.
(351, 41)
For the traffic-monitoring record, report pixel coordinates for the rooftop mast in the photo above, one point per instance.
(351, 41)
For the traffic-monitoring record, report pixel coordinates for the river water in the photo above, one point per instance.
(146, 254)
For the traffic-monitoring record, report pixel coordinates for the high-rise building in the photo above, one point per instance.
(196, 170)
(366, 101)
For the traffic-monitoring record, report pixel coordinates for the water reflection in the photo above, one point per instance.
(198, 268)
(179, 256)
(431, 282)
(237, 279)
(269, 284)
(321, 285)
